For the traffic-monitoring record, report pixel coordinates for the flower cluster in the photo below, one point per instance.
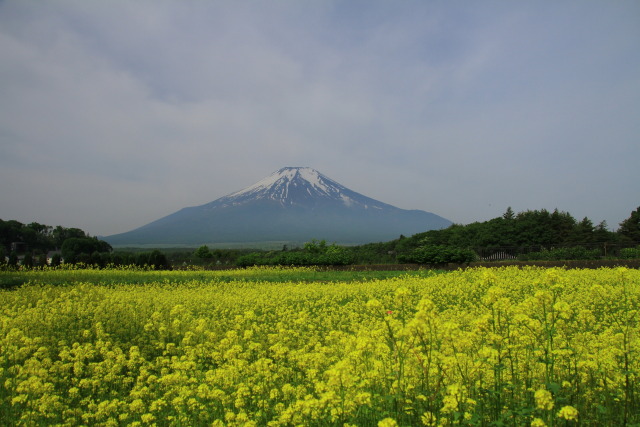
(513, 346)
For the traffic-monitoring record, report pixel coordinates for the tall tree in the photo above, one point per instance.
(203, 252)
(630, 227)
(10, 231)
(508, 214)
(601, 233)
(60, 234)
(583, 232)
(78, 248)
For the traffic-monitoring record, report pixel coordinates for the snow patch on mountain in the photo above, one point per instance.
(346, 200)
(292, 185)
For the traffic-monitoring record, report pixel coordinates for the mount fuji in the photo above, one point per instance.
(294, 204)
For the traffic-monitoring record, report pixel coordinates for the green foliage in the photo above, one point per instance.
(27, 261)
(509, 215)
(315, 246)
(203, 252)
(314, 253)
(56, 260)
(37, 237)
(373, 253)
(64, 276)
(562, 254)
(155, 259)
(438, 254)
(119, 258)
(80, 249)
(525, 229)
(13, 259)
(630, 227)
(60, 234)
(42, 260)
(630, 253)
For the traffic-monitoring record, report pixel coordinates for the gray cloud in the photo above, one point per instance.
(113, 114)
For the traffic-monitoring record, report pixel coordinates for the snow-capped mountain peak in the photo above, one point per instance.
(293, 204)
(298, 186)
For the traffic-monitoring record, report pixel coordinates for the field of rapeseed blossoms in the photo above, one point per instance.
(503, 346)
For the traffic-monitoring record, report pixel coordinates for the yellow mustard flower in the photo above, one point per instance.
(544, 399)
(568, 413)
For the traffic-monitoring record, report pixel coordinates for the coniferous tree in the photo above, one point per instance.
(203, 252)
(601, 233)
(630, 227)
(583, 232)
(508, 215)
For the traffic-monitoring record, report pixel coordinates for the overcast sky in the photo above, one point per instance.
(116, 113)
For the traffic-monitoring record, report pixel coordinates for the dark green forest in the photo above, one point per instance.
(33, 243)
(523, 236)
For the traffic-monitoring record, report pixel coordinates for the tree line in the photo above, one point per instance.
(33, 242)
(549, 232)
(528, 235)
(555, 235)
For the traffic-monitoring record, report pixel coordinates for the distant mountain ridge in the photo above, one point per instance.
(293, 204)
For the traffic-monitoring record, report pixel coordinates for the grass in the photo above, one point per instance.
(12, 279)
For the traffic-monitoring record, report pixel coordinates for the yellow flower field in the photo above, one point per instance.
(526, 346)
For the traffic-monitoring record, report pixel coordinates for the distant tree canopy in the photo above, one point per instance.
(37, 237)
(154, 259)
(77, 249)
(537, 228)
(314, 253)
(630, 227)
(528, 228)
(437, 255)
(203, 252)
(36, 240)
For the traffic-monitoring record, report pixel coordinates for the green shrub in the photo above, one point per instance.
(155, 259)
(27, 261)
(314, 253)
(203, 252)
(56, 260)
(438, 254)
(562, 254)
(630, 253)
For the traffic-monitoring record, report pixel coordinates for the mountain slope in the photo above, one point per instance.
(293, 204)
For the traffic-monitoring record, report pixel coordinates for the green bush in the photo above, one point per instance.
(27, 261)
(155, 259)
(630, 253)
(203, 252)
(80, 249)
(562, 254)
(13, 259)
(438, 254)
(56, 260)
(314, 253)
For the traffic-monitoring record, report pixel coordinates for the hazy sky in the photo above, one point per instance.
(116, 113)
